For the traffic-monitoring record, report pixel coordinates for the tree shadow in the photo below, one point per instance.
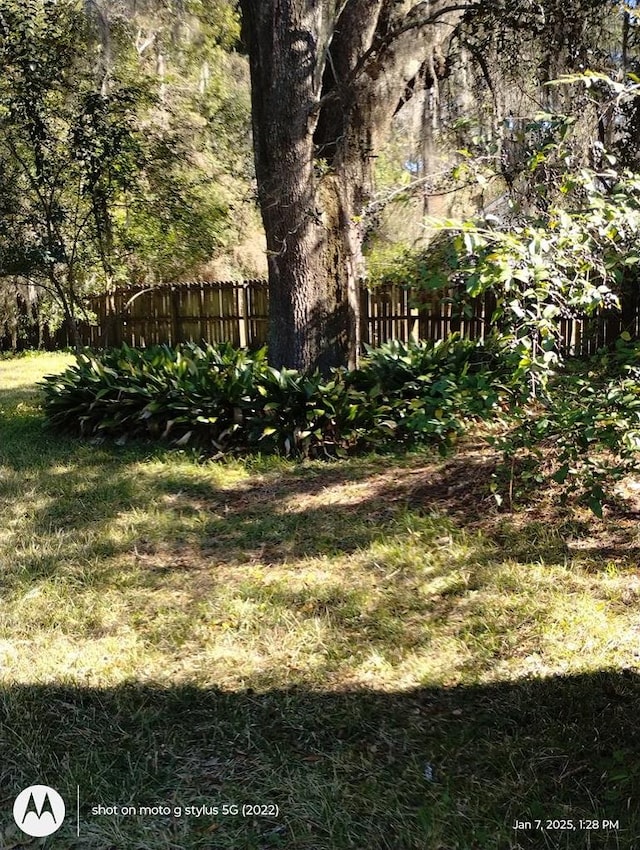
(314, 509)
(274, 514)
(427, 768)
(17, 393)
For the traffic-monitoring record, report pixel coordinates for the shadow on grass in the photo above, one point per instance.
(424, 538)
(299, 513)
(58, 486)
(274, 515)
(18, 394)
(432, 768)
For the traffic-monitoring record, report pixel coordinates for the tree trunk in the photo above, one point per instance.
(72, 327)
(68, 303)
(326, 80)
(313, 278)
(307, 218)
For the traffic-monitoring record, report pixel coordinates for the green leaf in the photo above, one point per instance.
(561, 474)
(596, 506)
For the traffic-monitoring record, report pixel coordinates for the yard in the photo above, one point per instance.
(370, 651)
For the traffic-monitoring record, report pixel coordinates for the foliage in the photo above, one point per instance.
(424, 268)
(220, 398)
(574, 253)
(116, 136)
(587, 428)
(193, 198)
(54, 166)
(442, 380)
(502, 60)
(571, 260)
(398, 264)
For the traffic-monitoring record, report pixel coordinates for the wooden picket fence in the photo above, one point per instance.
(210, 311)
(237, 312)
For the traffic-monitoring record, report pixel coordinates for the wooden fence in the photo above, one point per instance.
(237, 312)
(216, 311)
(396, 312)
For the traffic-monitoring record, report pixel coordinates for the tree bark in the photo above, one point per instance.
(326, 80)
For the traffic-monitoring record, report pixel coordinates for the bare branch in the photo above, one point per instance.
(384, 41)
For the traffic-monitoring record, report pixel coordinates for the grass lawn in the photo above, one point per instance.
(369, 650)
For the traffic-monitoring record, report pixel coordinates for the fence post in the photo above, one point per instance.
(118, 319)
(365, 325)
(423, 316)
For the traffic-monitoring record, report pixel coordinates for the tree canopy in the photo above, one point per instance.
(124, 146)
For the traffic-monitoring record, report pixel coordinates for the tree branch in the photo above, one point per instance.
(380, 43)
(379, 204)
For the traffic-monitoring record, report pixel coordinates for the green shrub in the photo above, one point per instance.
(220, 398)
(587, 428)
(187, 392)
(572, 258)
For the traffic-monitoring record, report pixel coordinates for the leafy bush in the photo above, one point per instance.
(161, 391)
(430, 390)
(572, 258)
(400, 367)
(587, 427)
(228, 400)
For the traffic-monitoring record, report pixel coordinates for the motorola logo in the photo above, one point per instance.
(39, 810)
